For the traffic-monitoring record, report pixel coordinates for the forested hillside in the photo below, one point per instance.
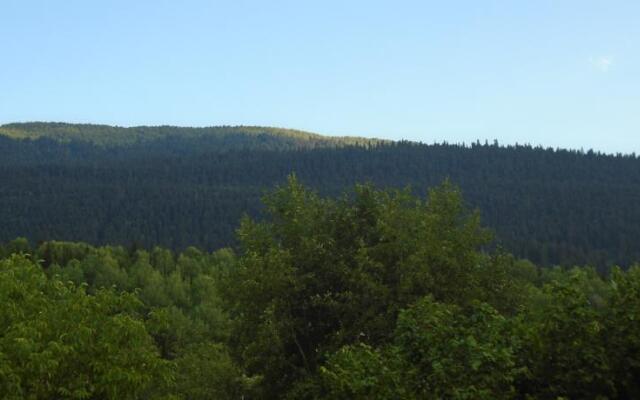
(207, 139)
(375, 295)
(179, 187)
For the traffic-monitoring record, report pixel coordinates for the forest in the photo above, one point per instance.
(368, 294)
(179, 187)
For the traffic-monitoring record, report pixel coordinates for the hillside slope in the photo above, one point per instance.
(173, 187)
(218, 138)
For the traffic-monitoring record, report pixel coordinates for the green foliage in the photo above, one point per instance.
(439, 351)
(362, 372)
(623, 331)
(206, 372)
(128, 324)
(324, 273)
(455, 353)
(58, 342)
(565, 349)
(377, 294)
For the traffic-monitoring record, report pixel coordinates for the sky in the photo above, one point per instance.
(558, 73)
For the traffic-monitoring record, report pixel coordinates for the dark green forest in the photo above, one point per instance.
(180, 187)
(369, 294)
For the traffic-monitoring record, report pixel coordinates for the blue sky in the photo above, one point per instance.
(557, 73)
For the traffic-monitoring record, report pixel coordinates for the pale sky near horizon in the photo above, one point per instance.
(556, 73)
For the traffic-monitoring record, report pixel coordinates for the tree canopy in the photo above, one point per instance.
(375, 294)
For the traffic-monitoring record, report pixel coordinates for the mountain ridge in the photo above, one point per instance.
(549, 205)
(107, 135)
(114, 136)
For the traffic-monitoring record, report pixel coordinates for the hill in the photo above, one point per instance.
(218, 138)
(176, 187)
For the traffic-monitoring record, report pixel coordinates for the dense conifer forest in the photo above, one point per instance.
(180, 187)
(371, 294)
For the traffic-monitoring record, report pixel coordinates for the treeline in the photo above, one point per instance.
(375, 294)
(176, 188)
(216, 138)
